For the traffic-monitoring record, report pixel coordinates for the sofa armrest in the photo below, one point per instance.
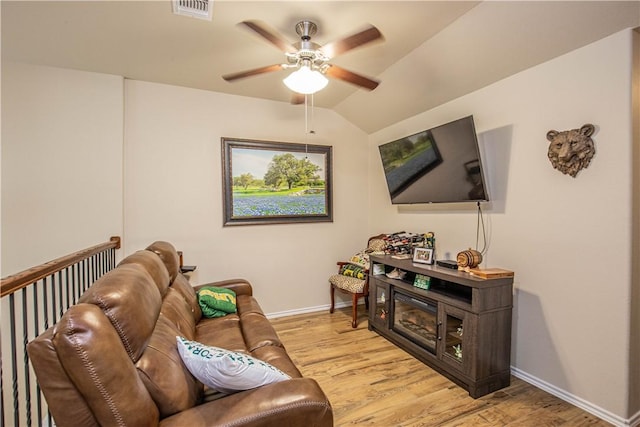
(239, 286)
(295, 402)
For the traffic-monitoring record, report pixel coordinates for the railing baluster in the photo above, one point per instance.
(85, 269)
(36, 332)
(67, 286)
(2, 397)
(52, 289)
(25, 357)
(14, 363)
(45, 296)
(76, 283)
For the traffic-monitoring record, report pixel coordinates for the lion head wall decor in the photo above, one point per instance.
(571, 151)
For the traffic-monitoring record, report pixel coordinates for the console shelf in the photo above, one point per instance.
(460, 326)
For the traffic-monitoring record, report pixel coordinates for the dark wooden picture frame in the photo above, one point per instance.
(265, 182)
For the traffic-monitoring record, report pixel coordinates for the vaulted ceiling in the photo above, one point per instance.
(433, 51)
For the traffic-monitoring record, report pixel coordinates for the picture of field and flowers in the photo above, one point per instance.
(276, 182)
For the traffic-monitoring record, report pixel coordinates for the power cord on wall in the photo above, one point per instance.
(484, 233)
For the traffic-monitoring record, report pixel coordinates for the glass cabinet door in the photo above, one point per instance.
(455, 324)
(379, 302)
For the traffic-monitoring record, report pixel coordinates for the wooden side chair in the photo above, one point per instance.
(353, 277)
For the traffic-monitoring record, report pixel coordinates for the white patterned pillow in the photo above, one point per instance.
(224, 370)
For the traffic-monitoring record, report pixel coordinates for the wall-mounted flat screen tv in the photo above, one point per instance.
(437, 165)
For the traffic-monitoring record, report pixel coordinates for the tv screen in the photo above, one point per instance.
(437, 165)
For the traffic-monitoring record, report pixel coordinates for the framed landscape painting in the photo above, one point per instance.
(275, 182)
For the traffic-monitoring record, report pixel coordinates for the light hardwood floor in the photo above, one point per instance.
(371, 382)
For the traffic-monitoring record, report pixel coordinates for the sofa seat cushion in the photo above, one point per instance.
(296, 402)
(258, 331)
(227, 371)
(222, 332)
(278, 357)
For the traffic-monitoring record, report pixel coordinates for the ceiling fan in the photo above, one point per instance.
(309, 57)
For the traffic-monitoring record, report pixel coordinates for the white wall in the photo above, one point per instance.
(173, 191)
(61, 162)
(634, 353)
(567, 239)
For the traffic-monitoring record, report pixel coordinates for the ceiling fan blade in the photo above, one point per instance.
(297, 98)
(351, 77)
(338, 47)
(249, 73)
(270, 35)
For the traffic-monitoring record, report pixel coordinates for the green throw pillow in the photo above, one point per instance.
(353, 270)
(216, 302)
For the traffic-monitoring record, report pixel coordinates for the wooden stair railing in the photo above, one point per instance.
(32, 301)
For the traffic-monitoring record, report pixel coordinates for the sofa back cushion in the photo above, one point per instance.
(129, 298)
(170, 384)
(91, 353)
(169, 256)
(154, 266)
(182, 285)
(175, 309)
(67, 406)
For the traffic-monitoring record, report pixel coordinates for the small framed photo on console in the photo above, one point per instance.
(423, 255)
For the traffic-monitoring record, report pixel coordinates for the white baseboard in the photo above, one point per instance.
(589, 407)
(306, 310)
(576, 401)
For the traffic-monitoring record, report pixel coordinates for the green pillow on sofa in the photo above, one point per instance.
(216, 302)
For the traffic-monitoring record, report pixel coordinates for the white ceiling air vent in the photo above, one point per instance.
(200, 9)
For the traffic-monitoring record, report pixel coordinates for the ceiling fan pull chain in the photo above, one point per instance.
(313, 111)
(306, 115)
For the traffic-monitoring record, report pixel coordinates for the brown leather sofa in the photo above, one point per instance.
(112, 359)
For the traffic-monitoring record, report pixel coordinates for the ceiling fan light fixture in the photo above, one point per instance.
(306, 81)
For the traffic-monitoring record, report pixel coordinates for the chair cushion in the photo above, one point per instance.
(349, 284)
(376, 247)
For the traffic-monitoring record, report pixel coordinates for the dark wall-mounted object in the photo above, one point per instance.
(571, 151)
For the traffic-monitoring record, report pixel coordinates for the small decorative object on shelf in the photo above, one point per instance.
(396, 273)
(430, 240)
(421, 281)
(457, 351)
(490, 273)
(423, 255)
(468, 259)
(378, 269)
